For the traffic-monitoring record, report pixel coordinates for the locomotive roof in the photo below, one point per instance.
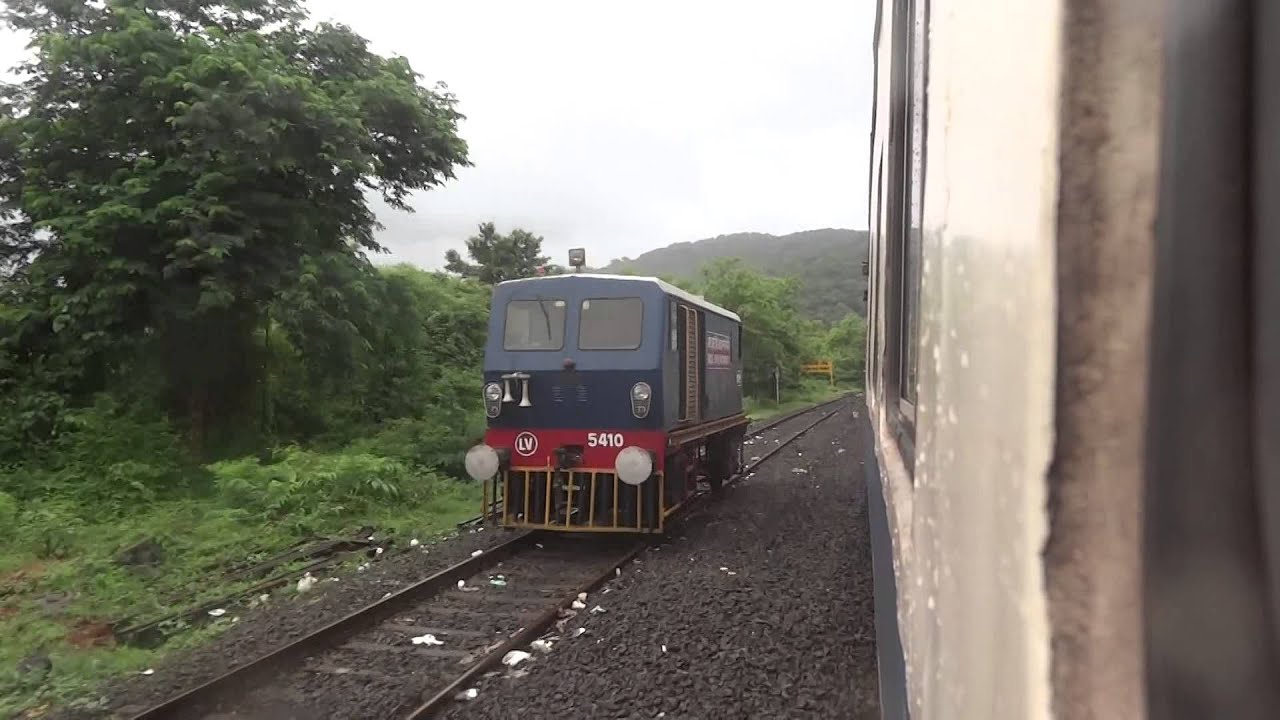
(665, 286)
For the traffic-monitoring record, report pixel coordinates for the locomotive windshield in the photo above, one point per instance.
(534, 325)
(611, 324)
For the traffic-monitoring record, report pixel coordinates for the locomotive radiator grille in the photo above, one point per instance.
(579, 501)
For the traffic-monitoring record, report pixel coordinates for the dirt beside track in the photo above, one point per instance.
(761, 608)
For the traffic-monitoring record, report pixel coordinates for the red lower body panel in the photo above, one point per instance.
(536, 449)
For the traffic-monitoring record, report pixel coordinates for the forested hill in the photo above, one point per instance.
(827, 262)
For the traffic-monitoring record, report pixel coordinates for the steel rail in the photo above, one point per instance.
(548, 618)
(242, 676)
(544, 620)
(532, 631)
(774, 422)
(800, 433)
(335, 632)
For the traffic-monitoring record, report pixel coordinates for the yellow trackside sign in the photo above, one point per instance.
(820, 367)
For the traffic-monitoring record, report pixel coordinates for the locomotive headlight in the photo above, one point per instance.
(482, 462)
(492, 399)
(634, 465)
(641, 394)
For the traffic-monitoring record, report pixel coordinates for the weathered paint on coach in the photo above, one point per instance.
(1010, 481)
(1069, 497)
(969, 526)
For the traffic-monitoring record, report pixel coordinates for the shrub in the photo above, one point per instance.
(107, 455)
(316, 484)
(50, 526)
(8, 510)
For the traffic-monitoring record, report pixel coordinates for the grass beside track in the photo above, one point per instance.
(808, 394)
(57, 612)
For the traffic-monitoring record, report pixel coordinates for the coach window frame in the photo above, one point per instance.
(904, 209)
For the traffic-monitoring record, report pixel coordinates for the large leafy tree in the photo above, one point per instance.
(185, 163)
(355, 346)
(774, 334)
(846, 345)
(496, 257)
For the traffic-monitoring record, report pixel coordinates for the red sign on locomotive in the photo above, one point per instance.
(719, 351)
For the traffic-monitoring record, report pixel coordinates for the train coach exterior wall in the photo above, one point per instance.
(969, 527)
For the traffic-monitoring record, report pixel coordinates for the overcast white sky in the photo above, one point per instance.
(622, 128)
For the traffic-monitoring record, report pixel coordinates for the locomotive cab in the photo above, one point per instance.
(602, 394)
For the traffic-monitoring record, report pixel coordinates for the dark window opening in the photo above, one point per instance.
(611, 324)
(912, 202)
(534, 325)
(898, 249)
(904, 204)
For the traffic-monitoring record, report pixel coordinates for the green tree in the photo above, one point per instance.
(846, 344)
(183, 160)
(496, 257)
(358, 346)
(773, 332)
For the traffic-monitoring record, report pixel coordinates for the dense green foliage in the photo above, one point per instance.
(186, 162)
(846, 346)
(826, 263)
(194, 348)
(774, 335)
(778, 336)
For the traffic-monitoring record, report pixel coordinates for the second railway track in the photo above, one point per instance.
(412, 652)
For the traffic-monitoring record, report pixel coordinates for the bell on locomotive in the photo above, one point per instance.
(610, 400)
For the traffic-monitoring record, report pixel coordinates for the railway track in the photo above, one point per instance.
(417, 649)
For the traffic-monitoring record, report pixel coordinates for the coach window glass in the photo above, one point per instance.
(534, 325)
(611, 324)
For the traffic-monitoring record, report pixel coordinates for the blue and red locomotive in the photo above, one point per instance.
(608, 398)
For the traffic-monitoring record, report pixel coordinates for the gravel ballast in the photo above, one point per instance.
(762, 609)
(763, 603)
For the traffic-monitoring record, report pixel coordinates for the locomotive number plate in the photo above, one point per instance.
(605, 440)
